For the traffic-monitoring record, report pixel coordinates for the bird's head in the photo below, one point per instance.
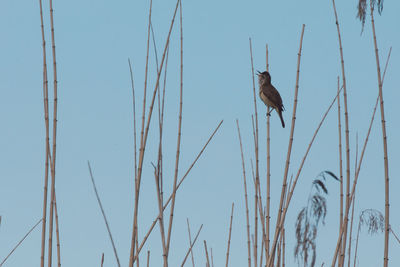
(264, 77)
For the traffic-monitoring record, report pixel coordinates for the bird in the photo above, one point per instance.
(269, 95)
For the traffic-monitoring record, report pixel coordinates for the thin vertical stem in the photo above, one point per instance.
(283, 248)
(340, 157)
(284, 183)
(245, 196)
(268, 204)
(134, 117)
(161, 214)
(178, 145)
(53, 163)
(212, 258)
(351, 227)
(102, 260)
(191, 246)
(207, 258)
(104, 214)
(229, 238)
(256, 156)
(142, 147)
(148, 258)
(347, 135)
(57, 233)
(384, 138)
(190, 240)
(47, 141)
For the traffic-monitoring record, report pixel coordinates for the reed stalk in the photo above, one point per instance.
(284, 183)
(245, 196)
(384, 138)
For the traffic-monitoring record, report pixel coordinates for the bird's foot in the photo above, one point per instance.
(268, 113)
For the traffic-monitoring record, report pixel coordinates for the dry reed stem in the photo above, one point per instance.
(158, 170)
(212, 258)
(177, 187)
(262, 254)
(134, 117)
(207, 258)
(57, 233)
(268, 204)
(178, 145)
(190, 240)
(291, 191)
(359, 165)
(102, 260)
(351, 226)
(53, 163)
(346, 132)
(148, 258)
(385, 150)
(262, 214)
(104, 214)
(160, 214)
(245, 196)
(283, 247)
(46, 119)
(19, 243)
(340, 157)
(277, 229)
(143, 145)
(191, 245)
(257, 158)
(229, 238)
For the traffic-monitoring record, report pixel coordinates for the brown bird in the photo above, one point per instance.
(269, 95)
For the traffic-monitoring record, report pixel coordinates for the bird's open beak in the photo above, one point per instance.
(258, 72)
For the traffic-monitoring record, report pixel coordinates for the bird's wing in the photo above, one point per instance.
(273, 95)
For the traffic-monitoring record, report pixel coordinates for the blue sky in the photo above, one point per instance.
(94, 42)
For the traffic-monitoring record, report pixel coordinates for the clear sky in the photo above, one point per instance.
(94, 40)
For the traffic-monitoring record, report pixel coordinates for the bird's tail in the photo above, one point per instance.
(280, 116)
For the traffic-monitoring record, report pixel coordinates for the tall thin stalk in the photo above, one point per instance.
(134, 116)
(384, 137)
(178, 145)
(245, 196)
(190, 240)
(268, 204)
(351, 228)
(257, 158)
(142, 147)
(57, 234)
(47, 141)
(347, 135)
(229, 238)
(284, 182)
(206, 251)
(104, 215)
(53, 163)
(340, 157)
